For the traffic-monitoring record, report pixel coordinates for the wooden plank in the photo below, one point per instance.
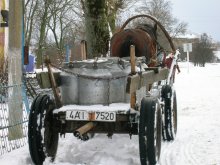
(56, 90)
(133, 71)
(133, 83)
(44, 80)
(83, 50)
(133, 100)
(132, 57)
(137, 81)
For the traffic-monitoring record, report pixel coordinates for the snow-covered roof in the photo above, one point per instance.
(189, 36)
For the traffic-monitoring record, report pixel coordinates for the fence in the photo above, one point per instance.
(13, 131)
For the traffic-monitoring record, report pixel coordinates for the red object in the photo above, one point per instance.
(168, 62)
(144, 44)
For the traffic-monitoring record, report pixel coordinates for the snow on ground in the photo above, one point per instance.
(198, 137)
(197, 141)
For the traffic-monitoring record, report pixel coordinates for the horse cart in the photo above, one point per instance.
(130, 92)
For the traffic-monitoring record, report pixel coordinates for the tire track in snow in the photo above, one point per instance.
(192, 148)
(189, 152)
(179, 152)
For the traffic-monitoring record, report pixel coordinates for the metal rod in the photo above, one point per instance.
(84, 129)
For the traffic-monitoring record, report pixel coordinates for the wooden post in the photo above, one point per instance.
(15, 69)
(132, 57)
(133, 65)
(55, 89)
(83, 50)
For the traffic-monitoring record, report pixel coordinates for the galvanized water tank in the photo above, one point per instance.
(94, 82)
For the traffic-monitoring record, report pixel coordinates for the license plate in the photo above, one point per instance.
(91, 116)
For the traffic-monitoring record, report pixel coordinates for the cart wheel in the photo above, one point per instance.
(42, 137)
(150, 128)
(169, 113)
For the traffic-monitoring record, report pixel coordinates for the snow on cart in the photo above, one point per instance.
(131, 92)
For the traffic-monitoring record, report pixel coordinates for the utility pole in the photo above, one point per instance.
(15, 68)
(2, 35)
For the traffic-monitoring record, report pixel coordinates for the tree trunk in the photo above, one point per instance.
(41, 41)
(30, 21)
(97, 31)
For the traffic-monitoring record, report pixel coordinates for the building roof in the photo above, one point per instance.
(189, 36)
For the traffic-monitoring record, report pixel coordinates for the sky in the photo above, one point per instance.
(201, 16)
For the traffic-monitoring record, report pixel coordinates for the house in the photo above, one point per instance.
(217, 56)
(182, 39)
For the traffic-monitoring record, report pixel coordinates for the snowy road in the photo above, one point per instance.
(197, 141)
(198, 138)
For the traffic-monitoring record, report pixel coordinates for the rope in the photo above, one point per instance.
(10, 126)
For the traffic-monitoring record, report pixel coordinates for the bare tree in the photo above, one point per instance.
(50, 20)
(162, 10)
(30, 8)
(44, 15)
(202, 51)
(114, 7)
(58, 22)
(62, 23)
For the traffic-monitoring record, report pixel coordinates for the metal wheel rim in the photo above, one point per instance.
(157, 130)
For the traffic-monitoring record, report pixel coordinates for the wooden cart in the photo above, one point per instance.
(123, 97)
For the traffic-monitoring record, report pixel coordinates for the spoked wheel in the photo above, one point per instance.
(150, 128)
(169, 113)
(42, 136)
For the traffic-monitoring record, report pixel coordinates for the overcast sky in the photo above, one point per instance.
(202, 16)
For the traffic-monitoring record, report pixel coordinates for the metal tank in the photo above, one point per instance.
(89, 82)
